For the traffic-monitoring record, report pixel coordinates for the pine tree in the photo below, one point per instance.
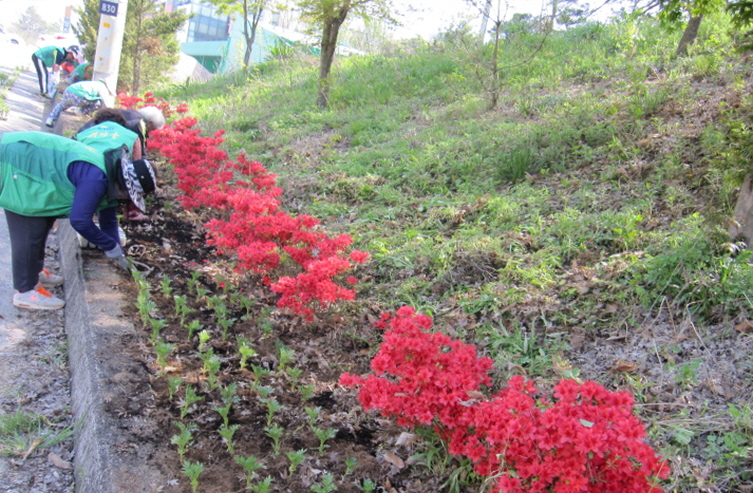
(150, 49)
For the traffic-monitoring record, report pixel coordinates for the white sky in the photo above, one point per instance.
(435, 15)
(49, 10)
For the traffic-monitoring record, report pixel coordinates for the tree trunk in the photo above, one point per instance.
(249, 42)
(329, 44)
(690, 34)
(495, 68)
(137, 58)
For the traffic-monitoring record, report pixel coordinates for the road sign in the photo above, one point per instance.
(108, 8)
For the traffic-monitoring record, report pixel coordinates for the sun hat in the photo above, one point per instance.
(138, 178)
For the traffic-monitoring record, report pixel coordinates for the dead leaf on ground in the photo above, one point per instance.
(394, 459)
(32, 447)
(744, 327)
(406, 439)
(58, 461)
(622, 366)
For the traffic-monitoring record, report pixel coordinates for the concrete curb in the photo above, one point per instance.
(112, 452)
(91, 462)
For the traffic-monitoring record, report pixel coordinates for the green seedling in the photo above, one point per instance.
(213, 301)
(263, 487)
(190, 399)
(294, 373)
(264, 391)
(350, 465)
(157, 325)
(328, 484)
(204, 337)
(284, 355)
(227, 433)
(163, 350)
(173, 383)
(224, 412)
(228, 393)
(212, 366)
(307, 391)
(296, 458)
(201, 291)
(259, 372)
(275, 433)
(191, 283)
(146, 306)
(272, 407)
(313, 414)
(183, 439)
(246, 304)
(368, 486)
(193, 327)
(323, 434)
(167, 289)
(250, 465)
(182, 310)
(246, 351)
(193, 470)
(225, 324)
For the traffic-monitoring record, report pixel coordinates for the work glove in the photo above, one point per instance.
(117, 255)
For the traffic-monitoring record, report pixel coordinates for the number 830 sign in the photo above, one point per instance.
(108, 8)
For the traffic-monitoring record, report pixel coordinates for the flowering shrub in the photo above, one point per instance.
(250, 225)
(584, 440)
(133, 102)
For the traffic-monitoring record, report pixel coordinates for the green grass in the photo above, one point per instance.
(22, 431)
(595, 193)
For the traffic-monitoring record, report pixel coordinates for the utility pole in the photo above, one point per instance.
(112, 22)
(484, 19)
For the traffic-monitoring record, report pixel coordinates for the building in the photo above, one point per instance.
(217, 41)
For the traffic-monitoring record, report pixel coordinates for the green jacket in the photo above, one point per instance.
(91, 90)
(33, 173)
(51, 55)
(107, 136)
(81, 69)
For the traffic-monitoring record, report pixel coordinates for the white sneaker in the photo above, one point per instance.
(50, 122)
(38, 299)
(50, 280)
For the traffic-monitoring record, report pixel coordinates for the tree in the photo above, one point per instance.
(250, 11)
(329, 16)
(673, 12)
(150, 48)
(30, 25)
(88, 25)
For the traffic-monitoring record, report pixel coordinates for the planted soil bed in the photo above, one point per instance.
(285, 398)
(287, 386)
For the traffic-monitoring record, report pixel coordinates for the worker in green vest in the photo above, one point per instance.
(47, 62)
(44, 177)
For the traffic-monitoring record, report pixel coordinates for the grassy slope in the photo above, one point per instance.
(590, 203)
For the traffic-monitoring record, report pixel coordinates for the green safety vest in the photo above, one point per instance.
(34, 173)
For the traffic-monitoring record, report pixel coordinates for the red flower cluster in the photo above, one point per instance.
(585, 440)
(250, 224)
(132, 102)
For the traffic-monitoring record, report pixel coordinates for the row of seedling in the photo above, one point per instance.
(210, 369)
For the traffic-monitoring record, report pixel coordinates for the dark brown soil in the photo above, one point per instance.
(322, 349)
